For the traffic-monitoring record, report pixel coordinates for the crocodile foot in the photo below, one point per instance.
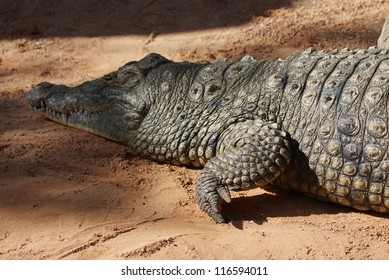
(209, 195)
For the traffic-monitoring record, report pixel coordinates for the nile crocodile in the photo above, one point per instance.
(316, 122)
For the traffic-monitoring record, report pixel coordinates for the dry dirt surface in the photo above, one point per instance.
(67, 194)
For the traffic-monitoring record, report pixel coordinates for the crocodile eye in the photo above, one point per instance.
(129, 75)
(123, 76)
(108, 80)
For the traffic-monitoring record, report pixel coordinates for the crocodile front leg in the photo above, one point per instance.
(250, 154)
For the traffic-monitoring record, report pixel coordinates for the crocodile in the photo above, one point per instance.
(315, 122)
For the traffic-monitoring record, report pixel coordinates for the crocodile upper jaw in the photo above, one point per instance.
(92, 107)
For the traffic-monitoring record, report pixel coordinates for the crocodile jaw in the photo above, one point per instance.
(110, 112)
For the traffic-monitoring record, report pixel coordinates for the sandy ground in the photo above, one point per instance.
(67, 194)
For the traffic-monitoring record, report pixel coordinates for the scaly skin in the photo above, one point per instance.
(316, 123)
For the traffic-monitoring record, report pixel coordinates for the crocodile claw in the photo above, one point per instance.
(209, 198)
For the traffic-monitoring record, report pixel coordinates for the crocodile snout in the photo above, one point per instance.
(36, 97)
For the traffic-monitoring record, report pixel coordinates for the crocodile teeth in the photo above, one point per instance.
(64, 118)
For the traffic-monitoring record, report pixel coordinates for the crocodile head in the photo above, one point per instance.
(112, 106)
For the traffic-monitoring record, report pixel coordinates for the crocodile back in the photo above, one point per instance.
(336, 107)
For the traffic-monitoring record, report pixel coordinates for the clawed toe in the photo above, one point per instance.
(209, 198)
